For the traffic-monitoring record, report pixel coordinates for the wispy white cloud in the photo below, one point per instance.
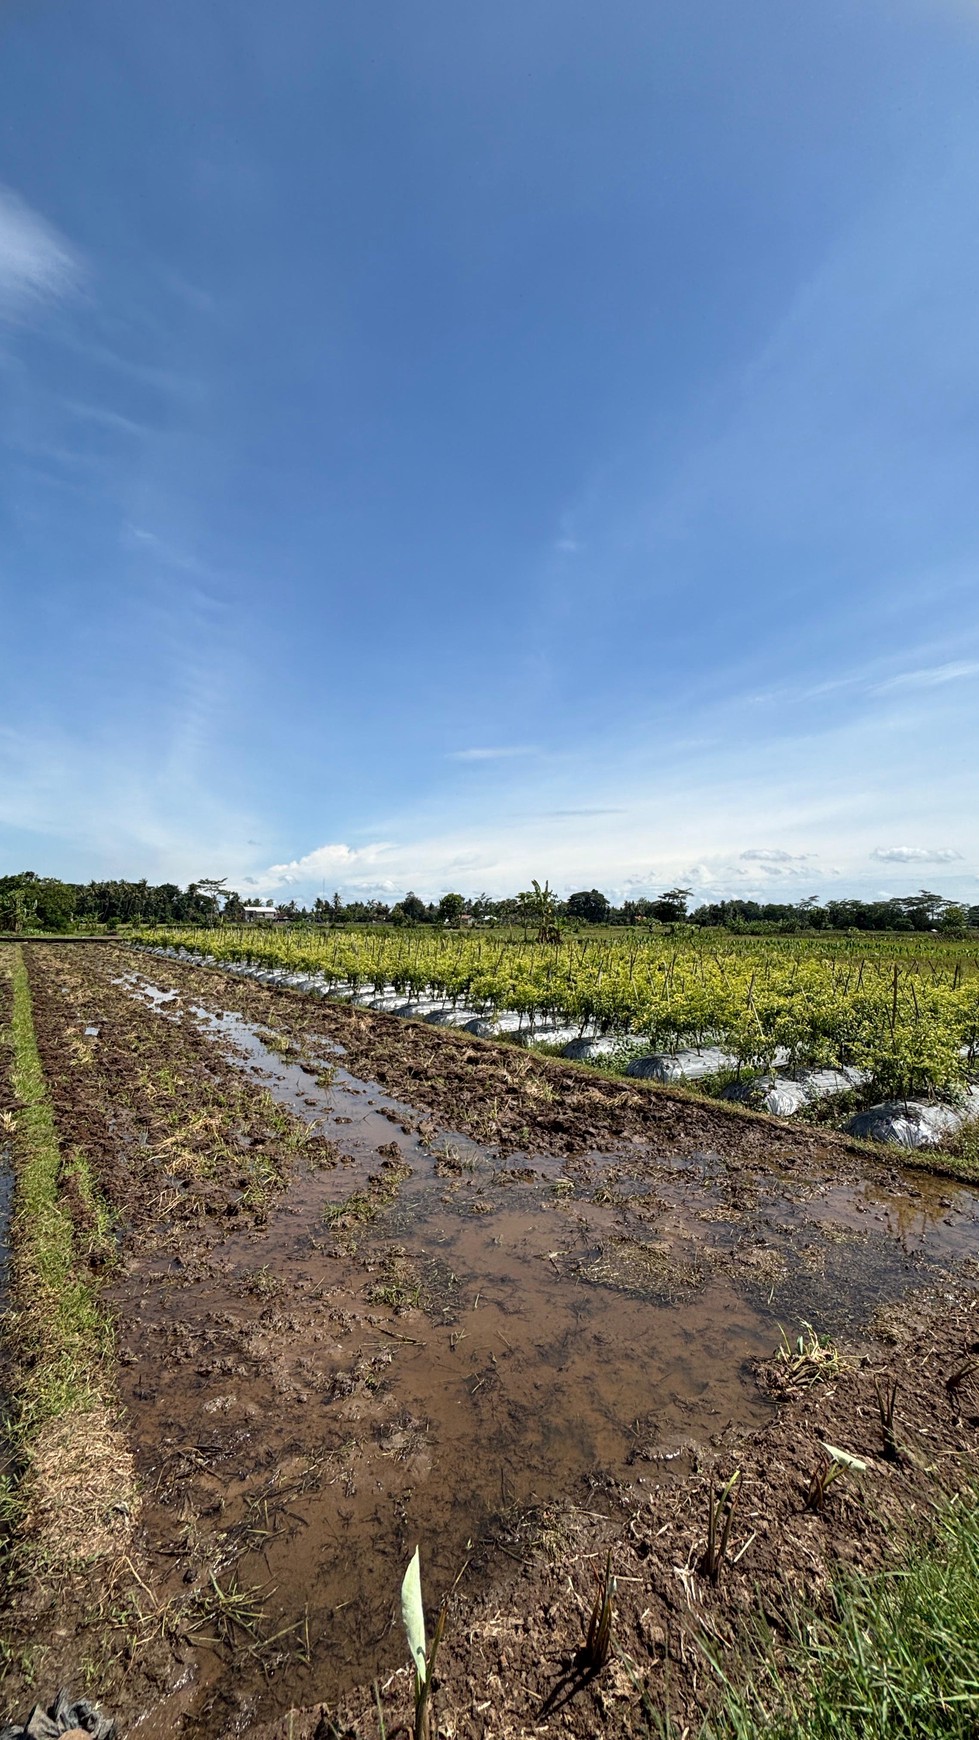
(916, 854)
(37, 263)
(108, 807)
(931, 677)
(500, 754)
(761, 855)
(104, 417)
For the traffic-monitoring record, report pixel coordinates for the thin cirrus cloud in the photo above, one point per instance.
(931, 677)
(500, 754)
(916, 854)
(37, 264)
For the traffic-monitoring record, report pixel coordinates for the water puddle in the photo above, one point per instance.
(507, 1332)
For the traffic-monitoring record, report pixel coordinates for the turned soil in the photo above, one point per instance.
(380, 1284)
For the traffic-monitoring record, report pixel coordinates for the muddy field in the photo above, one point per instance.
(379, 1284)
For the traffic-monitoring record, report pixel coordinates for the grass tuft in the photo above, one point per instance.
(895, 1658)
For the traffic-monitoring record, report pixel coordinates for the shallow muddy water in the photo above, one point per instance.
(506, 1333)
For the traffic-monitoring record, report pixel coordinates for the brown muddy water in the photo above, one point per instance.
(506, 1335)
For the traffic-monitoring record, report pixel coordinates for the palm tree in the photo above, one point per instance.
(540, 907)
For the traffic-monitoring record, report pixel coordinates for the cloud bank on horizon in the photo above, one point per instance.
(510, 444)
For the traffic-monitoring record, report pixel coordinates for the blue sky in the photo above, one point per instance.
(446, 444)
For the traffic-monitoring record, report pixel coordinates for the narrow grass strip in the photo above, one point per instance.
(60, 1336)
(897, 1658)
(73, 1495)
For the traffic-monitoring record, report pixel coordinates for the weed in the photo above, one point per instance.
(278, 1043)
(538, 1089)
(401, 1288)
(263, 1284)
(811, 1360)
(61, 1335)
(820, 1481)
(721, 1505)
(230, 1610)
(598, 1639)
(364, 1205)
(886, 1398)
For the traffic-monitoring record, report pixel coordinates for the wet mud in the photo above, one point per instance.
(380, 1285)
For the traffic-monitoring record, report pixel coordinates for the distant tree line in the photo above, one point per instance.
(31, 902)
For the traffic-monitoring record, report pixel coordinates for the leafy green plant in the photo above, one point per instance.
(906, 1011)
(422, 1655)
(539, 907)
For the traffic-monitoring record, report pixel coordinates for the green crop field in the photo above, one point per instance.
(903, 1008)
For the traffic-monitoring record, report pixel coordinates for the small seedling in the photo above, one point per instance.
(598, 1640)
(886, 1398)
(721, 1505)
(422, 1657)
(820, 1481)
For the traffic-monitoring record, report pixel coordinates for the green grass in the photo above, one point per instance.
(57, 1341)
(896, 1657)
(61, 1338)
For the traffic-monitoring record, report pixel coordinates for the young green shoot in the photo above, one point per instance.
(422, 1655)
(598, 1640)
(820, 1480)
(721, 1505)
(886, 1397)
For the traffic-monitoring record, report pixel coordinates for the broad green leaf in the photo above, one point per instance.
(413, 1615)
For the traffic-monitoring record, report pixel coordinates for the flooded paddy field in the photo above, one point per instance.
(377, 1284)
